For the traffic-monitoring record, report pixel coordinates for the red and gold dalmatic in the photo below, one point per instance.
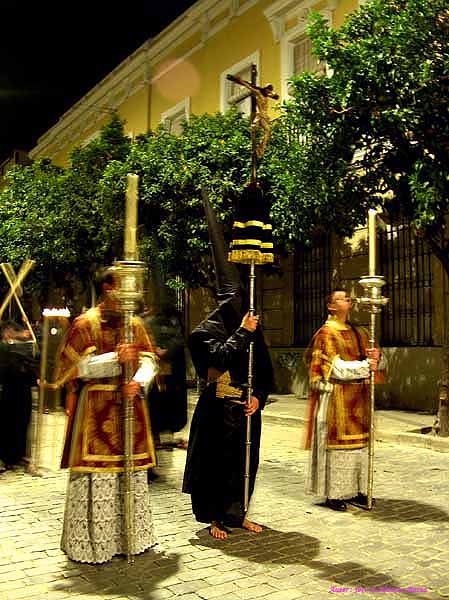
(94, 434)
(338, 426)
(348, 411)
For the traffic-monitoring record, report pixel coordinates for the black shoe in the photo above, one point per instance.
(361, 500)
(152, 475)
(335, 504)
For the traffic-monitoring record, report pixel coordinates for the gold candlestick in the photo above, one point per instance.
(374, 301)
(131, 217)
(372, 215)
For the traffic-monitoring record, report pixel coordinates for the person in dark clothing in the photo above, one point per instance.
(214, 471)
(168, 401)
(18, 370)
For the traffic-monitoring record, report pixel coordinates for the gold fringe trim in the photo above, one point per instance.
(346, 446)
(111, 469)
(249, 256)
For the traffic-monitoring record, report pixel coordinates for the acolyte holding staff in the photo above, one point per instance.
(342, 361)
(107, 363)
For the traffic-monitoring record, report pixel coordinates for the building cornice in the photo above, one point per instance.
(136, 71)
(125, 80)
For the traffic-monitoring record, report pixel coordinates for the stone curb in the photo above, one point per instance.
(417, 440)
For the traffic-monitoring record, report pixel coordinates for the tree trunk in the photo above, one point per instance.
(441, 424)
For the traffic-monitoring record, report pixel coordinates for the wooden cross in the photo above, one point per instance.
(14, 282)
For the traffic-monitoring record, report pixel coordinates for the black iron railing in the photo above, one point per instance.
(313, 278)
(407, 268)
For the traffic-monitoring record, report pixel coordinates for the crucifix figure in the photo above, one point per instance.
(259, 111)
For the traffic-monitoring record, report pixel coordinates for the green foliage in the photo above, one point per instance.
(57, 216)
(376, 131)
(213, 152)
(71, 220)
(373, 131)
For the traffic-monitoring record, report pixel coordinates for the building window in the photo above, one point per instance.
(312, 284)
(406, 264)
(303, 59)
(296, 49)
(233, 94)
(173, 119)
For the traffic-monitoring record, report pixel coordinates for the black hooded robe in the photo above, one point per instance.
(168, 406)
(214, 472)
(18, 373)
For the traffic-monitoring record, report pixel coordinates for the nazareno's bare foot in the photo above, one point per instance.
(218, 531)
(251, 526)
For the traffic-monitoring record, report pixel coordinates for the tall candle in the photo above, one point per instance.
(372, 215)
(131, 217)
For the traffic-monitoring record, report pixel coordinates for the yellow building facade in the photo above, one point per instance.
(182, 71)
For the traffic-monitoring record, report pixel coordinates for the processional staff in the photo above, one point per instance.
(372, 287)
(252, 230)
(130, 292)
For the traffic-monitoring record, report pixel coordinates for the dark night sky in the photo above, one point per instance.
(52, 53)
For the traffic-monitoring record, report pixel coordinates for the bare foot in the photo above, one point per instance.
(217, 531)
(182, 444)
(250, 526)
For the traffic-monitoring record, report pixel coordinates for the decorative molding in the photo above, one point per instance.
(283, 11)
(234, 7)
(137, 69)
(124, 81)
(182, 107)
(246, 6)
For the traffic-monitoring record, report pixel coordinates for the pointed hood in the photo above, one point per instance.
(233, 303)
(226, 273)
(232, 299)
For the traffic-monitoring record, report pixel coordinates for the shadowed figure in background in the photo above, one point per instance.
(168, 400)
(19, 368)
(214, 472)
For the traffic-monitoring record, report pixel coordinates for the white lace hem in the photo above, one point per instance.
(93, 530)
(346, 473)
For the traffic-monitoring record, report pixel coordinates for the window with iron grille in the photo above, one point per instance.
(313, 280)
(406, 266)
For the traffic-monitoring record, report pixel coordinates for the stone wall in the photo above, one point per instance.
(411, 377)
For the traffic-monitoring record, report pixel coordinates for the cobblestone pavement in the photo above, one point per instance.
(306, 550)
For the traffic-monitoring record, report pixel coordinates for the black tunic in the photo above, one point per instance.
(214, 472)
(168, 405)
(18, 371)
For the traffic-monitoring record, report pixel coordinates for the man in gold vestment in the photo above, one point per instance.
(338, 425)
(90, 365)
